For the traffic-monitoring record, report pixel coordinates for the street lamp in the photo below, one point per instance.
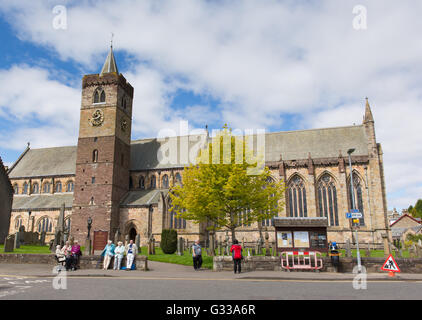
(349, 152)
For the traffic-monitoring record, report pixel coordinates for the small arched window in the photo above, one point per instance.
(153, 184)
(46, 188)
(16, 188)
(165, 181)
(58, 186)
(141, 182)
(25, 188)
(357, 196)
(95, 156)
(35, 188)
(45, 225)
(69, 186)
(176, 222)
(18, 222)
(99, 95)
(178, 178)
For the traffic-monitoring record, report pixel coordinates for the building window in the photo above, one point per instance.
(130, 183)
(95, 156)
(243, 218)
(18, 222)
(35, 188)
(69, 186)
(58, 186)
(25, 188)
(141, 182)
(153, 183)
(176, 222)
(178, 178)
(93, 180)
(327, 199)
(46, 188)
(45, 225)
(99, 95)
(165, 181)
(357, 193)
(268, 222)
(16, 188)
(296, 194)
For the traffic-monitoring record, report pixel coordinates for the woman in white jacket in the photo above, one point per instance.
(119, 251)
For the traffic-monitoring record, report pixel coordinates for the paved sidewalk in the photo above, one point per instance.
(159, 270)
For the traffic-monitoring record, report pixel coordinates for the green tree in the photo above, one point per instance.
(416, 211)
(229, 188)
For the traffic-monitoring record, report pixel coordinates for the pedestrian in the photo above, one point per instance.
(76, 253)
(108, 254)
(119, 251)
(197, 255)
(131, 252)
(236, 250)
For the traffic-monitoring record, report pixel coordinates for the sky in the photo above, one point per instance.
(278, 65)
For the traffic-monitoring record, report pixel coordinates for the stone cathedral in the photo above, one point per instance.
(122, 186)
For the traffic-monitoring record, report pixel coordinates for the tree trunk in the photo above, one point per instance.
(233, 234)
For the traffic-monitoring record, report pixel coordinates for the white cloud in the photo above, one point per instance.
(260, 59)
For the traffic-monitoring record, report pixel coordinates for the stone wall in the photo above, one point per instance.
(262, 263)
(86, 262)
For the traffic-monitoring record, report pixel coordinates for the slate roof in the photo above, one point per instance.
(42, 201)
(397, 232)
(141, 198)
(46, 162)
(292, 145)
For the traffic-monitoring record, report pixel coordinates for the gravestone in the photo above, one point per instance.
(412, 251)
(42, 238)
(267, 244)
(180, 246)
(368, 250)
(219, 248)
(253, 251)
(348, 249)
(138, 240)
(117, 236)
(17, 244)
(126, 240)
(396, 250)
(153, 245)
(9, 243)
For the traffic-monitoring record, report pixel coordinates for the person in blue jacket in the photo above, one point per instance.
(108, 254)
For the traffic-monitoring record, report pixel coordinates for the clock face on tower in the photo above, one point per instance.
(97, 118)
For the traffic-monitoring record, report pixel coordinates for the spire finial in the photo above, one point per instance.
(368, 113)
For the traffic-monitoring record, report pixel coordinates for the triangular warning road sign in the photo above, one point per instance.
(390, 265)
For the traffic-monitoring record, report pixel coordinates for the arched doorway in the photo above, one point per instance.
(132, 234)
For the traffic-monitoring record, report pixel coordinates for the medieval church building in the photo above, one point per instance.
(121, 185)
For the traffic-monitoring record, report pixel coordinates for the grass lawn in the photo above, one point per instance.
(28, 249)
(186, 259)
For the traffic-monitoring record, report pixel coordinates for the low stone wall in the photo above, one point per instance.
(262, 263)
(86, 262)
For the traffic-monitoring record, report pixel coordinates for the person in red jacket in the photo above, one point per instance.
(236, 251)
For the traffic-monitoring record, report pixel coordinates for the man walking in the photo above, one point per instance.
(197, 255)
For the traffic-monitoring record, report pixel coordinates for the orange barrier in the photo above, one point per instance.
(301, 260)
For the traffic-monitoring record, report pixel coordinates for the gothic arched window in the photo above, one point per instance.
(25, 188)
(141, 182)
(35, 188)
(45, 225)
(16, 188)
(327, 199)
(153, 183)
(268, 222)
(46, 188)
(176, 222)
(165, 181)
(296, 194)
(18, 222)
(178, 178)
(99, 95)
(357, 194)
(69, 186)
(58, 186)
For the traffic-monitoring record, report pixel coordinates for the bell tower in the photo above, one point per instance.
(103, 152)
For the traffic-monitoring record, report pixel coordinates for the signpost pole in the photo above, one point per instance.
(349, 152)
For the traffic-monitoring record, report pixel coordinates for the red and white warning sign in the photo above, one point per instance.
(390, 265)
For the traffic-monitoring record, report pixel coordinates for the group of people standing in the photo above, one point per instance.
(111, 250)
(236, 250)
(69, 255)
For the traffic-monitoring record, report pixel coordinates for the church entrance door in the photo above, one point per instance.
(132, 234)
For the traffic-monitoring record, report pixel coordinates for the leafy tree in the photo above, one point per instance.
(228, 186)
(416, 211)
